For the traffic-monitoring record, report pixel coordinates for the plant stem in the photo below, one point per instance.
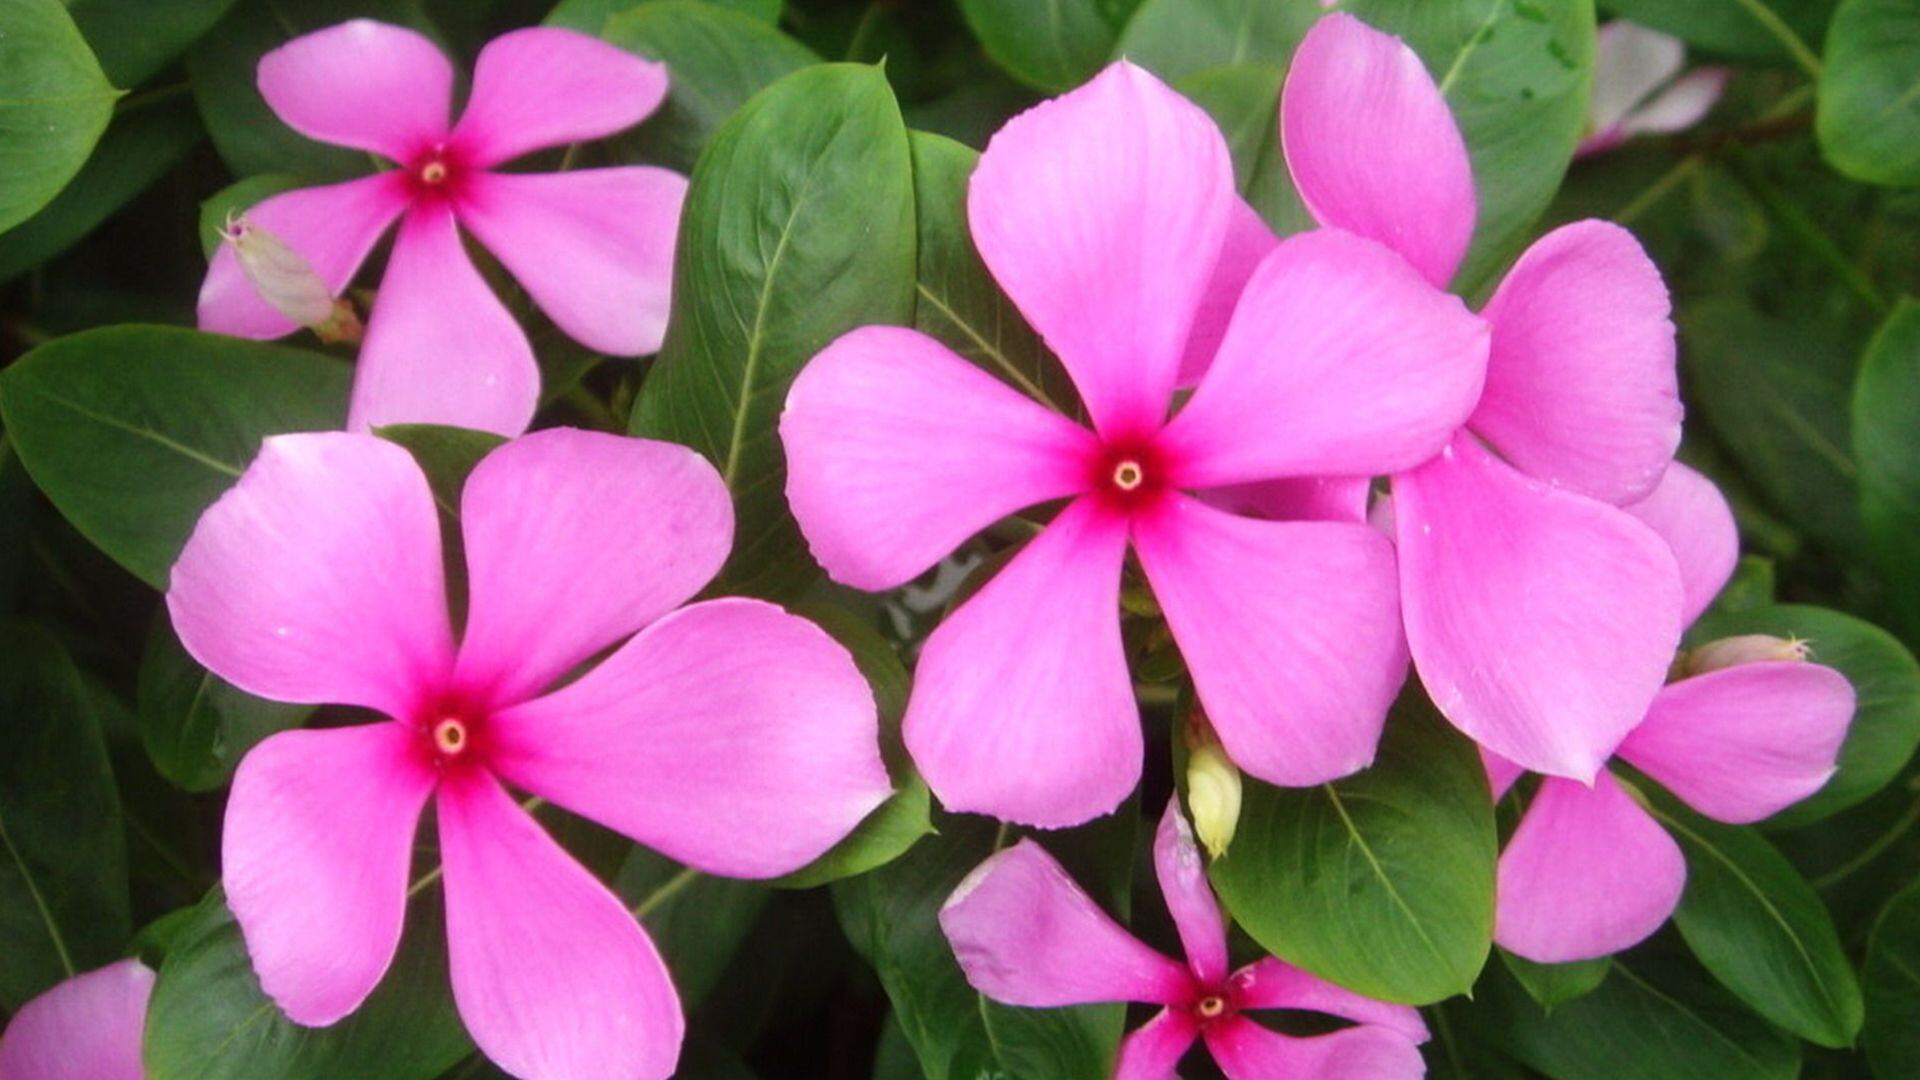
(1802, 55)
(1872, 851)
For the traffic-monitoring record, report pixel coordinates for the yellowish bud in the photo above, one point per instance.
(1744, 649)
(286, 281)
(1213, 796)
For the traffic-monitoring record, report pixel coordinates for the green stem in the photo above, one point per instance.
(1871, 852)
(1659, 189)
(660, 895)
(1803, 229)
(1802, 55)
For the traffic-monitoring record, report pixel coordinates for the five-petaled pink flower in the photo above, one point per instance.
(594, 248)
(1025, 934)
(730, 735)
(87, 1026)
(1638, 88)
(1589, 871)
(1541, 617)
(1109, 217)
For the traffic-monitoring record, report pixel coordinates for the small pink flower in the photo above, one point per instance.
(1636, 91)
(1108, 215)
(88, 1026)
(1025, 934)
(1541, 617)
(1589, 871)
(594, 248)
(729, 735)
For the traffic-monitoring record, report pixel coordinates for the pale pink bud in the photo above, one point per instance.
(1743, 649)
(285, 280)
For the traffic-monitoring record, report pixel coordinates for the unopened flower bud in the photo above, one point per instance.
(287, 282)
(1744, 649)
(1213, 795)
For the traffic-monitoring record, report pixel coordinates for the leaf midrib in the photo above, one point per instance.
(1339, 806)
(39, 901)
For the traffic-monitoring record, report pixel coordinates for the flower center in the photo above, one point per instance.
(450, 736)
(1128, 475)
(1211, 1007)
(433, 172)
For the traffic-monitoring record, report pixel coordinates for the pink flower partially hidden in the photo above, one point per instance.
(1025, 934)
(1589, 871)
(88, 1026)
(1109, 217)
(1638, 88)
(728, 734)
(594, 248)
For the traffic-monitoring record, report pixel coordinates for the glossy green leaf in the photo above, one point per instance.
(696, 920)
(798, 227)
(1381, 882)
(1886, 444)
(1752, 29)
(1553, 985)
(1245, 100)
(54, 103)
(1869, 105)
(236, 198)
(591, 16)
(132, 431)
(195, 725)
(1175, 38)
(1891, 983)
(1051, 45)
(135, 39)
(63, 863)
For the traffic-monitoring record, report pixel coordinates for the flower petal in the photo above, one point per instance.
(575, 539)
(88, 1027)
(994, 722)
(1290, 629)
(1681, 105)
(317, 577)
(1190, 900)
(315, 857)
(1373, 148)
(548, 86)
(1102, 214)
(1274, 984)
(1246, 1051)
(1581, 386)
(730, 735)
(1340, 361)
(1745, 742)
(1691, 515)
(1249, 240)
(331, 227)
(1501, 773)
(1630, 62)
(1587, 873)
(1298, 498)
(440, 347)
(1026, 934)
(1152, 1051)
(593, 248)
(898, 451)
(362, 84)
(551, 974)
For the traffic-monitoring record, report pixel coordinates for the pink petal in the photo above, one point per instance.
(1274, 984)
(1300, 498)
(1630, 62)
(1587, 873)
(1289, 628)
(1373, 148)
(898, 451)
(996, 722)
(317, 577)
(1102, 214)
(440, 347)
(594, 248)
(332, 227)
(1745, 742)
(1581, 387)
(547, 86)
(1026, 934)
(315, 858)
(1248, 241)
(729, 735)
(362, 84)
(86, 1027)
(1190, 900)
(1501, 773)
(1691, 515)
(1681, 105)
(1246, 1051)
(1542, 622)
(551, 974)
(1340, 362)
(575, 539)
(1153, 1050)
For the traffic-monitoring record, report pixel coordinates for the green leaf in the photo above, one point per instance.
(1891, 982)
(235, 198)
(1757, 925)
(209, 1019)
(798, 227)
(1175, 38)
(698, 921)
(54, 103)
(1886, 683)
(1886, 444)
(63, 862)
(1381, 882)
(591, 16)
(1750, 29)
(1869, 105)
(1553, 985)
(1051, 45)
(1245, 100)
(718, 59)
(195, 725)
(135, 39)
(132, 431)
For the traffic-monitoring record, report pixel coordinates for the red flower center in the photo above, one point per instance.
(435, 174)
(450, 736)
(1128, 472)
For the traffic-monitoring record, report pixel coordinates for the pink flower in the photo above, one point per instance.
(1635, 89)
(1108, 215)
(730, 735)
(88, 1026)
(1541, 617)
(594, 248)
(1589, 871)
(1025, 934)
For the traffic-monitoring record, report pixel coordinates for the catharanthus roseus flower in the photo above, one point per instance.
(1635, 89)
(1025, 934)
(728, 734)
(1106, 215)
(88, 1026)
(1589, 871)
(1540, 616)
(594, 248)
